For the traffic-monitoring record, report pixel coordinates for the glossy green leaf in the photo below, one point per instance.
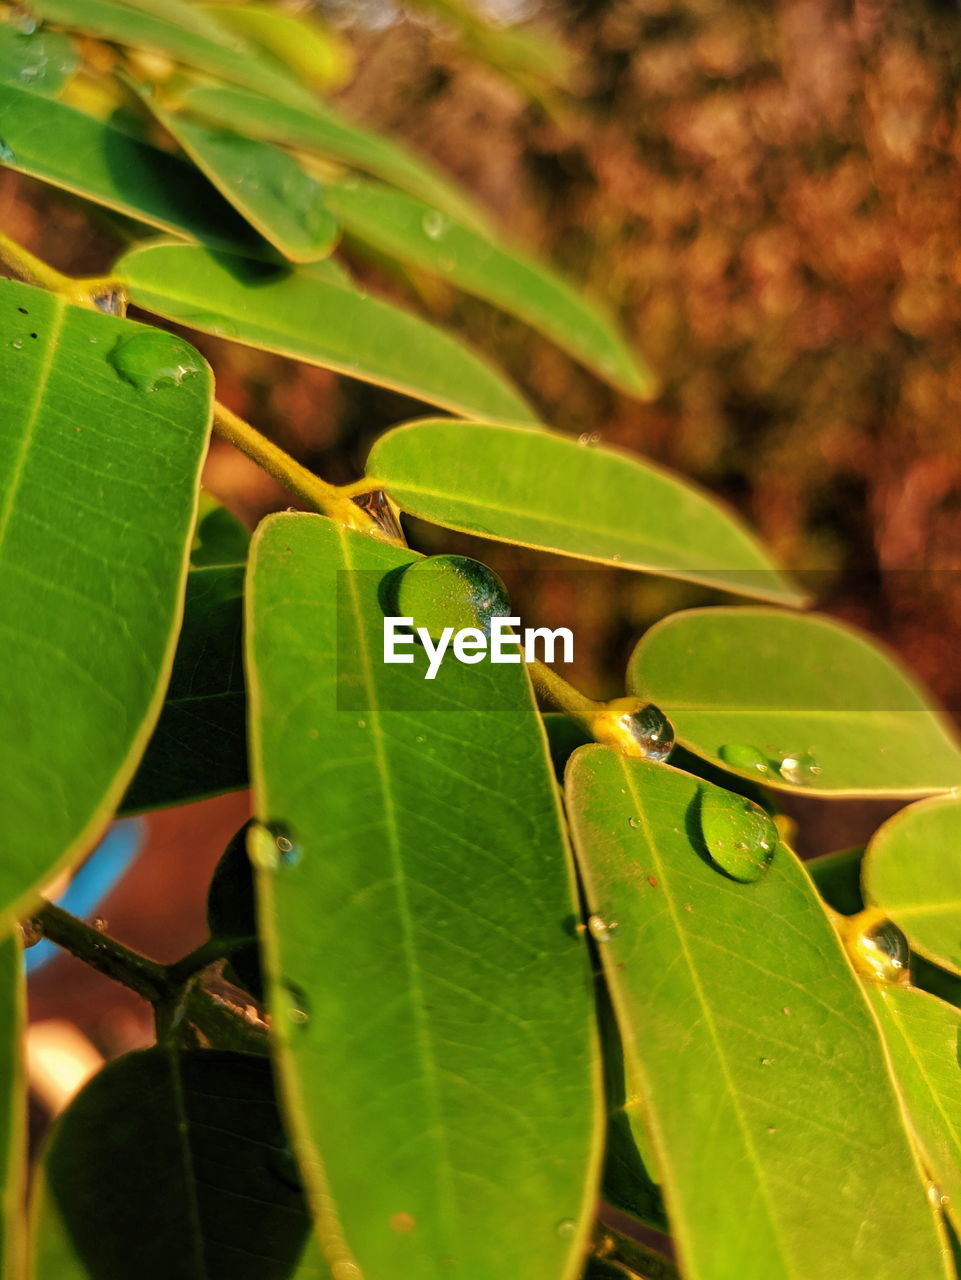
(324, 131)
(220, 539)
(199, 746)
(824, 706)
(41, 61)
(911, 871)
(173, 1165)
(838, 879)
(98, 489)
(263, 183)
(777, 1131)
(923, 1036)
(431, 997)
(548, 492)
(56, 144)
(301, 315)
(13, 1108)
(317, 53)
(418, 234)
(202, 44)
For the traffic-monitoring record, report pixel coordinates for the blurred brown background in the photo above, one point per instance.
(769, 194)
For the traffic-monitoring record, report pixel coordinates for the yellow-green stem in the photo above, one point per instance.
(556, 690)
(320, 495)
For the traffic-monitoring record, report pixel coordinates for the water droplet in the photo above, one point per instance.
(22, 21)
(765, 1062)
(601, 929)
(420, 738)
(635, 823)
(434, 224)
(750, 759)
(740, 837)
(936, 1197)
(297, 1008)
(587, 439)
(361, 724)
(112, 302)
(876, 946)
(566, 1228)
(799, 768)
(451, 591)
(402, 1223)
(6, 153)
(17, 344)
(153, 359)
(30, 932)
(636, 728)
(379, 507)
(271, 845)
(282, 1163)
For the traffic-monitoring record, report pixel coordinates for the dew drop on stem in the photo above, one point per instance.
(635, 727)
(876, 947)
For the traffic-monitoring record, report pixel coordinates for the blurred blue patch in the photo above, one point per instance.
(91, 882)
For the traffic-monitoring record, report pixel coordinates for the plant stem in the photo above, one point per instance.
(148, 978)
(208, 953)
(322, 496)
(556, 690)
(29, 268)
(636, 1258)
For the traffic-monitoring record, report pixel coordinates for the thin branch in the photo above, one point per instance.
(108, 956)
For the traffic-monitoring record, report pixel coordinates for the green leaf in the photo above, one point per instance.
(911, 872)
(98, 489)
(431, 997)
(818, 706)
(323, 322)
(547, 492)
(220, 539)
(173, 1164)
(776, 1127)
(923, 1036)
(263, 183)
(201, 44)
(56, 144)
(838, 879)
(13, 1108)
(324, 131)
(420, 235)
(199, 746)
(315, 52)
(41, 61)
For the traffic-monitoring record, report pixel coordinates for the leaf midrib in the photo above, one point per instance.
(749, 1144)
(430, 1073)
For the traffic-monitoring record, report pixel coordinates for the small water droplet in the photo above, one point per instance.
(420, 738)
(635, 823)
(636, 728)
(378, 507)
(297, 1007)
(112, 302)
(750, 759)
(740, 837)
(799, 768)
(30, 932)
(451, 591)
(6, 153)
(361, 724)
(587, 439)
(876, 946)
(434, 224)
(23, 21)
(566, 1228)
(17, 344)
(936, 1197)
(600, 928)
(153, 359)
(282, 1163)
(271, 845)
(765, 1062)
